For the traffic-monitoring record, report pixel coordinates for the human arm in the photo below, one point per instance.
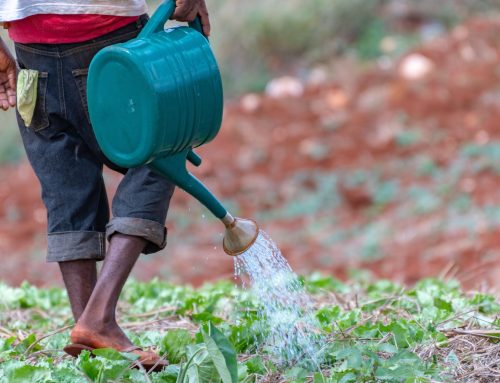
(8, 71)
(188, 10)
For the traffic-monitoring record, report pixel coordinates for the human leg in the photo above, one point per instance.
(73, 190)
(80, 277)
(97, 326)
(140, 207)
(62, 150)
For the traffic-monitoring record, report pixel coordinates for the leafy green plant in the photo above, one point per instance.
(375, 332)
(212, 360)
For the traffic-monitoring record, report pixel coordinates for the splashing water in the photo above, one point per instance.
(287, 312)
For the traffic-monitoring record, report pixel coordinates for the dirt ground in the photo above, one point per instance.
(393, 168)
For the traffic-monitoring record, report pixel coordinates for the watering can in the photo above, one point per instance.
(153, 99)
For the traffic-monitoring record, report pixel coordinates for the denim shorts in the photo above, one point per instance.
(62, 149)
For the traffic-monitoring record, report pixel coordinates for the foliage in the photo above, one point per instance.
(376, 332)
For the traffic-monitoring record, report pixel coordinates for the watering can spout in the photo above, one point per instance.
(240, 233)
(174, 168)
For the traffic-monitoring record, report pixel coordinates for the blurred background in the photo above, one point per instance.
(360, 134)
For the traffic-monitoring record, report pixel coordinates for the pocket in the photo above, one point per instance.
(40, 116)
(80, 76)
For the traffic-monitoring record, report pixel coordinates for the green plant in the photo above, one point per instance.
(381, 333)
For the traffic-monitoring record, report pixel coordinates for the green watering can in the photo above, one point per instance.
(153, 99)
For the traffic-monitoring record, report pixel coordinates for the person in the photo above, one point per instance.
(55, 41)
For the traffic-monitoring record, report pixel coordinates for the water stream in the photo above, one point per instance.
(286, 309)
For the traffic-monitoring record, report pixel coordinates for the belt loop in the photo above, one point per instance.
(142, 20)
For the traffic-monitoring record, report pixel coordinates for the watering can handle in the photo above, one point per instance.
(162, 15)
(194, 158)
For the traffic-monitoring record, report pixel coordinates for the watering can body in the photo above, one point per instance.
(156, 97)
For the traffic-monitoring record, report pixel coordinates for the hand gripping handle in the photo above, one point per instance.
(162, 15)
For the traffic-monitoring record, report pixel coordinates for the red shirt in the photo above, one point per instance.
(62, 29)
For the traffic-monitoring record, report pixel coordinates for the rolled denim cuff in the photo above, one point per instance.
(154, 232)
(75, 245)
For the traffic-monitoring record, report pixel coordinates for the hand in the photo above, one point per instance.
(187, 10)
(8, 72)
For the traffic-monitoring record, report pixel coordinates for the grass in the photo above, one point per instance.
(376, 332)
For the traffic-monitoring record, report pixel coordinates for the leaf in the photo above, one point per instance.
(317, 282)
(424, 298)
(227, 351)
(350, 377)
(397, 374)
(25, 344)
(400, 333)
(68, 375)
(244, 336)
(387, 348)
(242, 372)
(114, 370)
(100, 369)
(318, 378)
(112, 354)
(88, 366)
(443, 305)
(169, 374)
(327, 315)
(217, 357)
(184, 368)
(255, 365)
(174, 344)
(27, 373)
(296, 374)
(7, 345)
(200, 368)
(351, 356)
(206, 317)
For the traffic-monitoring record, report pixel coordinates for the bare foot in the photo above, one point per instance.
(111, 336)
(102, 336)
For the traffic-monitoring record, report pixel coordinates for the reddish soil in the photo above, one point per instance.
(355, 122)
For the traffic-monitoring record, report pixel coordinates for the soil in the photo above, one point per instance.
(274, 156)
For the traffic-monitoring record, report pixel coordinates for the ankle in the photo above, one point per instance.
(96, 322)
